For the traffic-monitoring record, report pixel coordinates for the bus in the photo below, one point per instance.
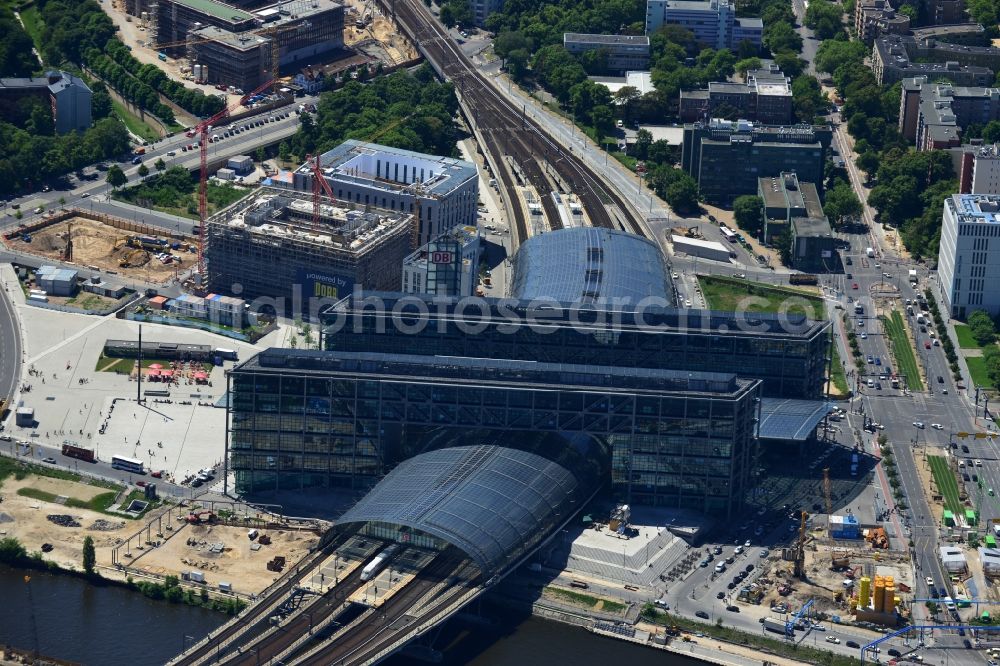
(728, 234)
(128, 464)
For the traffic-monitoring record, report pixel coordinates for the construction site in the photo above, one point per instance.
(367, 30)
(108, 244)
(276, 241)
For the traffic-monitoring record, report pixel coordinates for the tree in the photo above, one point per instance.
(842, 203)
(643, 140)
(982, 327)
(116, 177)
(781, 36)
(89, 555)
(143, 171)
(748, 211)
(991, 132)
(747, 64)
(833, 53)
(160, 164)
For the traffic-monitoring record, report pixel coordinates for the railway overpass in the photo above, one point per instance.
(433, 535)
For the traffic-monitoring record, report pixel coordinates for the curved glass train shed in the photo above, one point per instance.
(493, 503)
(588, 264)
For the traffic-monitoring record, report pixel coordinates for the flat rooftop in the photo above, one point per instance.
(243, 41)
(975, 208)
(217, 9)
(357, 161)
(496, 372)
(813, 227)
(294, 10)
(630, 40)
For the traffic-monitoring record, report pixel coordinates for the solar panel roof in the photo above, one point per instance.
(488, 501)
(782, 418)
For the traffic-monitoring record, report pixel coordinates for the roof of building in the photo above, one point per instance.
(54, 273)
(243, 41)
(951, 554)
(488, 501)
(462, 234)
(810, 196)
(217, 9)
(288, 11)
(698, 242)
(53, 80)
(750, 22)
(694, 5)
(975, 208)
(788, 419)
(948, 30)
(812, 227)
(898, 51)
(588, 264)
(494, 371)
(351, 162)
(631, 40)
(640, 80)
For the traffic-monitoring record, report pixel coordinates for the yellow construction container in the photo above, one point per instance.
(865, 591)
(887, 598)
(879, 593)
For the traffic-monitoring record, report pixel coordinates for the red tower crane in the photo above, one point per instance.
(320, 187)
(203, 128)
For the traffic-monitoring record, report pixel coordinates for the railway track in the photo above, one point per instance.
(254, 615)
(370, 637)
(514, 133)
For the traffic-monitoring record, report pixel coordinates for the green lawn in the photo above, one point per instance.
(965, 339)
(946, 483)
(587, 600)
(906, 362)
(134, 124)
(734, 294)
(977, 368)
(33, 26)
(839, 376)
(100, 503)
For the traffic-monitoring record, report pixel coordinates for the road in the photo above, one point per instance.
(10, 347)
(93, 194)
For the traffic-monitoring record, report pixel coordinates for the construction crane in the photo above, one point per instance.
(800, 549)
(827, 494)
(203, 129)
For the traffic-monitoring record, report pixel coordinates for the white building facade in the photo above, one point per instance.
(969, 254)
(713, 22)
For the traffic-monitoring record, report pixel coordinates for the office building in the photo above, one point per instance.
(969, 255)
(238, 59)
(623, 52)
(440, 192)
(873, 18)
(67, 95)
(933, 115)
(978, 168)
(481, 9)
(727, 158)
(713, 22)
(794, 208)
(446, 266)
(236, 45)
(898, 57)
(765, 97)
(267, 245)
(301, 419)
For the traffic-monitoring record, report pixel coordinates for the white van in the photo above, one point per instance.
(720, 567)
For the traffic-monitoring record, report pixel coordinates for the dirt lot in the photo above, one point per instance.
(397, 47)
(25, 519)
(94, 244)
(245, 569)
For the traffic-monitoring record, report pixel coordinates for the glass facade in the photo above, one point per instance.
(788, 354)
(299, 419)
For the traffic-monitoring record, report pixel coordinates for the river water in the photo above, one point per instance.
(111, 626)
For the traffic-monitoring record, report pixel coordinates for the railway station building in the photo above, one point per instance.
(588, 356)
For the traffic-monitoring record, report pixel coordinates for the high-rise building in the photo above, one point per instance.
(969, 255)
(446, 266)
(727, 158)
(713, 22)
(440, 192)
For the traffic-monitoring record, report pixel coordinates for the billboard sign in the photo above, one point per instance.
(320, 285)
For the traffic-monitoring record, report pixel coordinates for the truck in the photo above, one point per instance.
(870, 251)
(78, 452)
(913, 276)
(775, 625)
(802, 278)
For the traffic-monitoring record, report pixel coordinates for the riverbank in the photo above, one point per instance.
(16, 556)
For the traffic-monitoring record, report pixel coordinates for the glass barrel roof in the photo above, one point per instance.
(489, 501)
(587, 264)
(790, 419)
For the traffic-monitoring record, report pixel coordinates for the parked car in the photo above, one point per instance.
(702, 614)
